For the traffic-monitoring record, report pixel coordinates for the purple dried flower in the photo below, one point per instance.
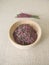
(25, 34)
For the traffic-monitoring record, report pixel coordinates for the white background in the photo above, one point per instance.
(9, 54)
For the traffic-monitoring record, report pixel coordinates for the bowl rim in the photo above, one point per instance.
(32, 44)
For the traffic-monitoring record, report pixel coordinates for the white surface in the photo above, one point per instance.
(10, 55)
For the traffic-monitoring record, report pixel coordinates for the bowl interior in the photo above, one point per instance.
(32, 23)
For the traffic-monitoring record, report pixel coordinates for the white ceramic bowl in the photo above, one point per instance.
(19, 22)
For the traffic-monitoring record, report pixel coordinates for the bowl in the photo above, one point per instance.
(34, 24)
